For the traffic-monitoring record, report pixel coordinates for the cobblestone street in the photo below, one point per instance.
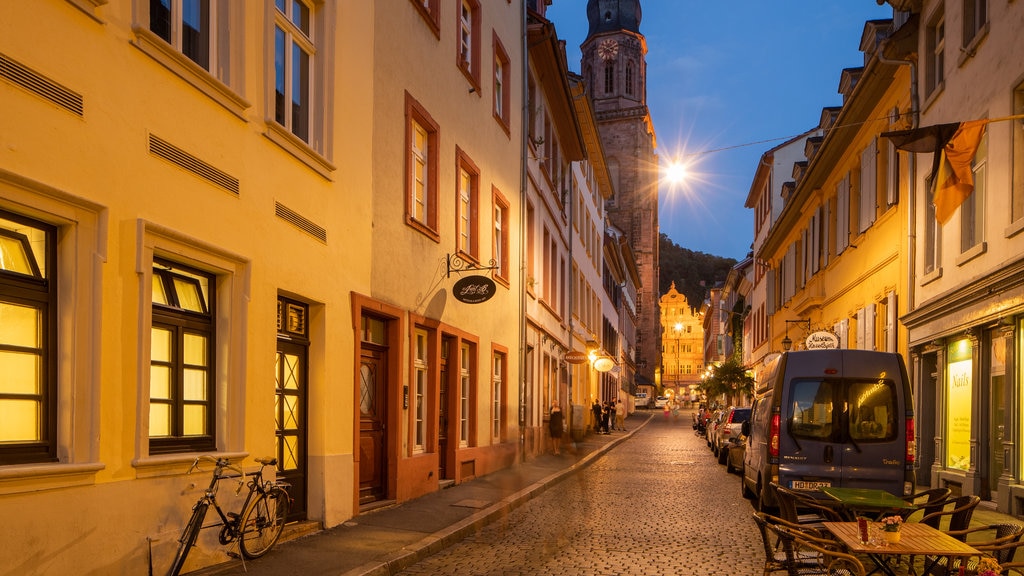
(656, 504)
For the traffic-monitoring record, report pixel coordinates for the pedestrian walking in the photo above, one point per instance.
(620, 415)
(556, 425)
(595, 409)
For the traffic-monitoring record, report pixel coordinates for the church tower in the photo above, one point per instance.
(614, 68)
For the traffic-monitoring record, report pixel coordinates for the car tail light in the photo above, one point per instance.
(773, 436)
(911, 444)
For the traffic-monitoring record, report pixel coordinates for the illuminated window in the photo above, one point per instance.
(181, 391)
(465, 387)
(28, 308)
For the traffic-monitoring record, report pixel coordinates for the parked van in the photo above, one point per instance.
(839, 418)
(643, 400)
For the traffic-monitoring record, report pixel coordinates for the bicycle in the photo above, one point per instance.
(256, 527)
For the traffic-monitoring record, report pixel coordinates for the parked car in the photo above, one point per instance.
(642, 400)
(841, 418)
(729, 428)
(712, 427)
(660, 402)
(734, 451)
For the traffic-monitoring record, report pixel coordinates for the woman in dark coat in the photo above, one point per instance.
(555, 425)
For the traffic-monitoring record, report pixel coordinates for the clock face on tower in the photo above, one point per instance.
(607, 49)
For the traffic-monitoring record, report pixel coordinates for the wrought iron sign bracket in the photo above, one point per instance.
(458, 264)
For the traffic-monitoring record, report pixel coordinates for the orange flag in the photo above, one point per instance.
(954, 182)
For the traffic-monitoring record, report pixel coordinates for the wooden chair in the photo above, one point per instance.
(791, 549)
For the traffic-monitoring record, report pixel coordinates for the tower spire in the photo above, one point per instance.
(613, 16)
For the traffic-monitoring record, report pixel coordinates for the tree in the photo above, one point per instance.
(729, 378)
(691, 271)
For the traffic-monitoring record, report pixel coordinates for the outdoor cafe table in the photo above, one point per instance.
(916, 540)
(855, 500)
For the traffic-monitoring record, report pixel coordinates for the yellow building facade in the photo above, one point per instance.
(239, 231)
(682, 338)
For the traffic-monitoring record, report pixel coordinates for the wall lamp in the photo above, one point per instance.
(786, 342)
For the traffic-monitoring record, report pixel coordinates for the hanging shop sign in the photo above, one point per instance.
(576, 357)
(821, 340)
(474, 289)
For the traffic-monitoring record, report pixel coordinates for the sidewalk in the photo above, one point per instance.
(387, 540)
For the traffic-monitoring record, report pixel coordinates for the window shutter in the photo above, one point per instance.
(868, 185)
(891, 316)
(869, 327)
(860, 329)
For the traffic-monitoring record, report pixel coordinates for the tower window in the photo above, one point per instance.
(609, 78)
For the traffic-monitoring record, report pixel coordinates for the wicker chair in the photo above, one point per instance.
(1003, 544)
(935, 500)
(791, 549)
(791, 503)
(959, 515)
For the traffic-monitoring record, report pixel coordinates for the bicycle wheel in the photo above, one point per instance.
(263, 523)
(188, 537)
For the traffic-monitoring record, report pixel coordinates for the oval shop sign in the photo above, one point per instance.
(474, 289)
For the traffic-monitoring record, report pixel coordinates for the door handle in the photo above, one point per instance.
(829, 454)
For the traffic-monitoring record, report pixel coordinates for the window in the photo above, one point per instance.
(975, 19)
(430, 10)
(932, 231)
(469, 41)
(629, 78)
(868, 185)
(467, 196)
(609, 78)
(843, 214)
(502, 84)
(935, 58)
(465, 394)
(293, 60)
(972, 211)
(498, 396)
(1017, 193)
(501, 235)
(421, 169)
(181, 391)
(195, 40)
(421, 370)
(28, 350)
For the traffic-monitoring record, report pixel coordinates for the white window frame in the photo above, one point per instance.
(421, 400)
(972, 210)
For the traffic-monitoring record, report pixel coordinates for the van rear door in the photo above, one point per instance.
(842, 432)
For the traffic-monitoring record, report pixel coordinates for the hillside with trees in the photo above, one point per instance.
(689, 269)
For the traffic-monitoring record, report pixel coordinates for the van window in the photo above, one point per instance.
(841, 410)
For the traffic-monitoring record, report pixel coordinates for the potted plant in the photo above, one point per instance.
(891, 528)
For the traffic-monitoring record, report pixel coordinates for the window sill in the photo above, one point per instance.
(968, 52)
(154, 47)
(932, 276)
(972, 253)
(49, 476)
(1014, 228)
(933, 96)
(174, 464)
(423, 228)
(89, 7)
(299, 149)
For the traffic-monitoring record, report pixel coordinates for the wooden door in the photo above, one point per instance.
(290, 407)
(372, 424)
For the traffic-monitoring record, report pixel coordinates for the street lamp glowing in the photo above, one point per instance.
(675, 173)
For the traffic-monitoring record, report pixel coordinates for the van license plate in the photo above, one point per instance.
(802, 485)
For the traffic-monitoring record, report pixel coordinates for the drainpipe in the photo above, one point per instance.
(523, 183)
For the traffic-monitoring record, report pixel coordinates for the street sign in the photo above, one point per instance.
(576, 357)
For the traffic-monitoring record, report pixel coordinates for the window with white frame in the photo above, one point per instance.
(421, 168)
(421, 371)
(469, 41)
(935, 54)
(181, 383)
(430, 10)
(294, 52)
(972, 211)
(467, 196)
(975, 19)
(932, 231)
(502, 85)
(28, 351)
(498, 396)
(465, 393)
(501, 235)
